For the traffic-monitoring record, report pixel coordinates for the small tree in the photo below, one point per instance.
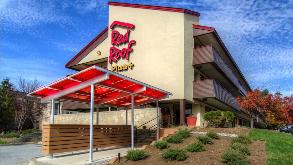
(6, 106)
(219, 118)
(274, 108)
(28, 108)
(287, 108)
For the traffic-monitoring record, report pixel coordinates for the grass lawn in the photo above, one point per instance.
(279, 146)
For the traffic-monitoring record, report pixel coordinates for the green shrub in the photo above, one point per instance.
(213, 135)
(3, 142)
(219, 118)
(11, 134)
(205, 139)
(176, 138)
(161, 144)
(136, 155)
(242, 139)
(234, 157)
(175, 154)
(195, 147)
(240, 147)
(28, 131)
(184, 133)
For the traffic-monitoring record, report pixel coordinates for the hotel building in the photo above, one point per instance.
(168, 48)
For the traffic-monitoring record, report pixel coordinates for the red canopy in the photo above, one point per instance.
(110, 88)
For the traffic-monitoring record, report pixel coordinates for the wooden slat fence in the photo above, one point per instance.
(59, 138)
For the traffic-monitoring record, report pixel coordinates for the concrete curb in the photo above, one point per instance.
(17, 144)
(220, 134)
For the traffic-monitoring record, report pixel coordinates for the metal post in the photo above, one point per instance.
(91, 123)
(132, 122)
(98, 115)
(126, 117)
(52, 111)
(158, 120)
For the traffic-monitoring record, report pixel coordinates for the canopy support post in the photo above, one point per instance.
(52, 117)
(98, 115)
(126, 117)
(91, 123)
(158, 120)
(52, 111)
(132, 122)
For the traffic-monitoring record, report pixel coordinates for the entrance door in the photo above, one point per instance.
(170, 114)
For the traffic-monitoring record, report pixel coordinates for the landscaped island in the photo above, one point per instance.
(216, 146)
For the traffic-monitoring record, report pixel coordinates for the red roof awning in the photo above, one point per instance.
(110, 88)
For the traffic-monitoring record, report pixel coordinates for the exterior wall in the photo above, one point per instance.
(189, 20)
(141, 116)
(158, 55)
(198, 111)
(93, 55)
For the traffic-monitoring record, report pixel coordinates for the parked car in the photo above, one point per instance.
(287, 129)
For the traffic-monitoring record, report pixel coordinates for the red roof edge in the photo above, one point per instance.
(68, 64)
(151, 7)
(211, 29)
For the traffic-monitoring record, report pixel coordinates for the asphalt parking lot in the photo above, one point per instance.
(19, 154)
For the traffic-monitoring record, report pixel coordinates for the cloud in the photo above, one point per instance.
(19, 15)
(259, 35)
(85, 6)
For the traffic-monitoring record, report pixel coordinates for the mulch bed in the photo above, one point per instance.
(258, 153)
(225, 130)
(212, 155)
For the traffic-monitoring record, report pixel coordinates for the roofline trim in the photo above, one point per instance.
(69, 64)
(203, 27)
(151, 7)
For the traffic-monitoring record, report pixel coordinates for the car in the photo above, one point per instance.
(287, 129)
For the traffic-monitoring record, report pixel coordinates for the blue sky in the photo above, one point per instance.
(37, 37)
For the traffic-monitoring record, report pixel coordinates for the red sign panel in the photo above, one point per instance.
(118, 39)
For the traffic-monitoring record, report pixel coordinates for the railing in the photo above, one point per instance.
(143, 133)
(144, 124)
(207, 54)
(210, 88)
(59, 138)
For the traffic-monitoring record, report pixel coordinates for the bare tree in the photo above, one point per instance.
(26, 86)
(28, 108)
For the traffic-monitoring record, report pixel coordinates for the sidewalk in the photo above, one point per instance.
(99, 157)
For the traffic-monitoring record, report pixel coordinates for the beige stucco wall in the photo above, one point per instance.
(93, 55)
(188, 55)
(198, 111)
(141, 116)
(162, 56)
(158, 53)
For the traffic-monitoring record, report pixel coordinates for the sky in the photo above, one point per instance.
(38, 37)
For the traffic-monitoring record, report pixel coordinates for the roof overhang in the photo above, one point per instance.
(152, 7)
(87, 49)
(111, 89)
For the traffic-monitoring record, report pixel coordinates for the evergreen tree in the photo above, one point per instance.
(7, 106)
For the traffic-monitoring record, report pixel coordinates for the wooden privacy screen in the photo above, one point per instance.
(59, 138)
